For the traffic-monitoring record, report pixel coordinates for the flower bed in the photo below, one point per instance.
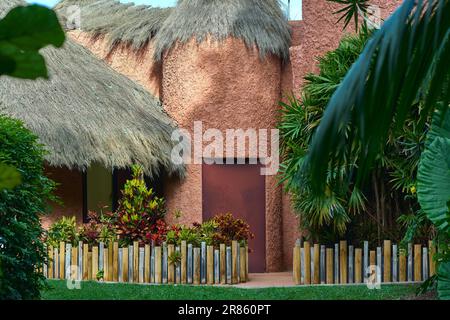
(134, 244)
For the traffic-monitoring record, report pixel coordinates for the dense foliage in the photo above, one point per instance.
(367, 212)
(21, 251)
(65, 230)
(406, 61)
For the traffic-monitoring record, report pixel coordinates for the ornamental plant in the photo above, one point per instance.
(65, 230)
(230, 229)
(140, 214)
(98, 229)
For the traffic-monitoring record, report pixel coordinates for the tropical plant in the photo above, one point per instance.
(228, 229)
(406, 61)
(24, 190)
(98, 229)
(21, 251)
(140, 213)
(63, 230)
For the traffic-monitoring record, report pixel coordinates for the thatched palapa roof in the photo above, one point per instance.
(259, 23)
(122, 22)
(86, 112)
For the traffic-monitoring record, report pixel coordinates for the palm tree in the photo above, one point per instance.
(405, 65)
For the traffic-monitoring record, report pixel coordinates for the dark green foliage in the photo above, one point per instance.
(22, 251)
(353, 9)
(23, 32)
(344, 210)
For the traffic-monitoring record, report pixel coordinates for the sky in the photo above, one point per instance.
(296, 7)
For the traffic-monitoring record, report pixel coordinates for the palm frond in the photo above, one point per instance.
(407, 59)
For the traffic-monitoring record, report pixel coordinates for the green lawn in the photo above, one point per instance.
(104, 291)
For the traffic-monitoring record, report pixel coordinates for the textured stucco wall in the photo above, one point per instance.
(69, 189)
(226, 86)
(138, 66)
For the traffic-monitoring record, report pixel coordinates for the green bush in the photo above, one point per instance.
(21, 250)
(64, 229)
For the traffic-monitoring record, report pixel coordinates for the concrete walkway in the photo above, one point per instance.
(268, 280)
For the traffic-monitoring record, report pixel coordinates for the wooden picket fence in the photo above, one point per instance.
(135, 264)
(317, 264)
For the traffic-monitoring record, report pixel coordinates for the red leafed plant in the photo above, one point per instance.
(229, 228)
(140, 213)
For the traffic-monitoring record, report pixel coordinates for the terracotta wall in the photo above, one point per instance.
(69, 190)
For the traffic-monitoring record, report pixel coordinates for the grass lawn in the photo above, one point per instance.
(106, 291)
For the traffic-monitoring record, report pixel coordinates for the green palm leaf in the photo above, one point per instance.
(444, 281)
(407, 59)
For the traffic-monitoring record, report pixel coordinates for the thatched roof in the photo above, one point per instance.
(259, 23)
(89, 113)
(122, 22)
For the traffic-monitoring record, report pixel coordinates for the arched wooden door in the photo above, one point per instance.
(240, 190)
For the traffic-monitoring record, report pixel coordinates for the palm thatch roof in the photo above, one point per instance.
(259, 23)
(86, 112)
(121, 22)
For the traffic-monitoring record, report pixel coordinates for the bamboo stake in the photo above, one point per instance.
(330, 279)
(387, 261)
(343, 261)
(297, 265)
(307, 253)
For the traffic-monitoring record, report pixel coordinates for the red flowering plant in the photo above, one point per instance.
(140, 213)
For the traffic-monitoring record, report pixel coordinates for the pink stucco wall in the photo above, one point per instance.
(205, 83)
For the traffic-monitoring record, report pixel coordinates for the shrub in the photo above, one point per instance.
(140, 214)
(64, 229)
(22, 250)
(229, 229)
(98, 229)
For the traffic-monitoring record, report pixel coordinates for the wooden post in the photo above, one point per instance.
(115, 268)
(229, 263)
(158, 265)
(178, 266)
(183, 262)
(323, 272)
(351, 264)
(417, 262)
(410, 262)
(50, 263)
(372, 263)
(297, 265)
(105, 265)
(216, 266)
(425, 267)
(366, 260)
(190, 263)
(80, 261)
(432, 262)
(336, 263)
(85, 262)
(141, 264)
(55, 263)
(110, 261)
(330, 279)
(125, 267)
(130, 263)
(136, 261)
(223, 261)
(210, 265)
(165, 262)
(379, 265)
(170, 265)
(307, 253)
(246, 263)
(402, 267)
(197, 263)
(74, 266)
(316, 276)
(387, 261)
(234, 268)
(242, 267)
(358, 265)
(89, 266)
(62, 260)
(394, 263)
(94, 262)
(203, 263)
(343, 261)
(147, 263)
